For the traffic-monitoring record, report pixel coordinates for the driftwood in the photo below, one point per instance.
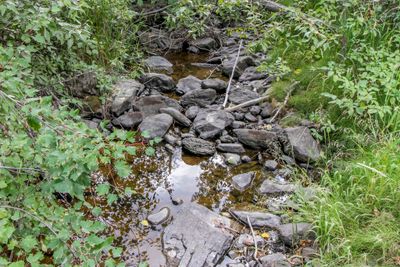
(232, 74)
(248, 103)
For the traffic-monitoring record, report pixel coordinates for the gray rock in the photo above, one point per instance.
(192, 112)
(240, 95)
(239, 116)
(126, 92)
(210, 123)
(231, 148)
(257, 219)
(199, 97)
(91, 124)
(204, 44)
(238, 124)
(216, 84)
(272, 187)
(256, 139)
(275, 260)
(251, 74)
(170, 148)
(159, 217)
(292, 233)
(255, 110)
(179, 117)
(198, 146)
(170, 139)
(128, 120)
(84, 84)
(242, 181)
(225, 138)
(151, 105)
(156, 40)
(246, 159)
(270, 165)
(232, 159)
(187, 84)
(195, 237)
(288, 160)
(243, 63)
(302, 145)
(158, 63)
(193, 49)
(249, 117)
(267, 111)
(156, 125)
(245, 240)
(158, 81)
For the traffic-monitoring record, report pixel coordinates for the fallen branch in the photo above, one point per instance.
(248, 103)
(153, 12)
(232, 74)
(290, 90)
(254, 238)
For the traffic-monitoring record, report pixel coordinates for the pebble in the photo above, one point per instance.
(159, 217)
(270, 165)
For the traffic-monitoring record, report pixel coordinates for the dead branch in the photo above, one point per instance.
(232, 74)
(249, 103)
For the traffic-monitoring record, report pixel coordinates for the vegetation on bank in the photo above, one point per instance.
(345, 54)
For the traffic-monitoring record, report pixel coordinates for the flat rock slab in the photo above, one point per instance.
(158, 81)
(211, 123)
(198, 146)
(158, 63)
(272, 187)
(216, 84)
(177, 115)
(256, 139)
(302, 146)
(151, 105)
(241, 95)
(126, 92)
(156, 125)
(242, 181)
(128, 120)
(187, 84)
(257, 219)
(231, 148)
(196, 237)
(199, 97)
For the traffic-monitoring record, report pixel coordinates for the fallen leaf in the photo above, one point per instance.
(265, 235)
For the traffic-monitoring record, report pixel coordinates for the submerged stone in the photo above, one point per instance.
(159, 217)
(242, 181)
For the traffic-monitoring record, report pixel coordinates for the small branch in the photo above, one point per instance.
(248, 103)
(232, 74)
(290, 90)
(153, 12)
(254, 238)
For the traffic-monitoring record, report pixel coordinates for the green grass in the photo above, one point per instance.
(357, 215)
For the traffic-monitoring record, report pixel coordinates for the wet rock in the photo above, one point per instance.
(233, 159)
(198, 146)
(128, 120)
(255, 110)
(267, 111)
(242, 181)
(270, 165)
(216, 84)
(302, 145)
(257, 219)
(151, 105)
(292, 233)
(240, 95)
(188, 84)
(192, 112)
(126, 91)
(246, 159)
(158, 81)
(179, 117)
(210, 123)
(195, 237)
(243, 63)
(231, 148)
(275, 260)
(83, 84)
(225, 138)
(238, 124)
(204, 44)
(249, 117)
(251, 74)
(156, 125)
(159, 217)
(245, 240)
(158, 63)
(199, 97)
(256, 139)
(272, 187)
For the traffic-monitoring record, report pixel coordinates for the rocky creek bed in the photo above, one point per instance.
(218, 192)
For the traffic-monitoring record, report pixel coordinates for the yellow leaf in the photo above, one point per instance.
(297, 71)
(265, 235)
(145, 223)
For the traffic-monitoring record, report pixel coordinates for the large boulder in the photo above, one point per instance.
(240, 95)
(257, 219)
(177, 115)
(187, 84)
(211, 123)
(256, 139)
(128, 120)
(158, 81)
(199, 97)
(158, 63)
(243, 63)
(151, 105)
(302, 146)
(198, 146)
(126, 92)
(156, 125)
(196, 237)
(83, 84)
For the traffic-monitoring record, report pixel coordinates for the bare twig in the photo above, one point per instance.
(290, 90)
(249, 103)
(153, 12)
(254, 238)
(233, 74)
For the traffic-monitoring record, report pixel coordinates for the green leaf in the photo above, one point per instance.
(117, 252)
(129, 191)
(145, 134)
(3, 184)
(102, 189)
(39, 38)
(150, 151)
(143, 264)
(34, 122)
(17, 264)
(96, 211)
(123, 169)
(28, 243)
(111, 198)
